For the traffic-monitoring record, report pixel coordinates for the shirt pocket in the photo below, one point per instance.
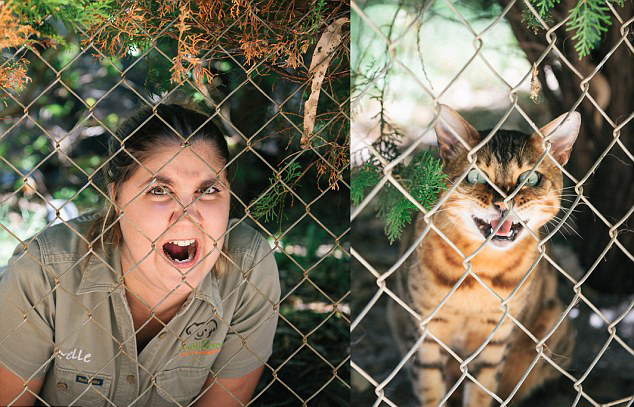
(181, 384)
(79, 388)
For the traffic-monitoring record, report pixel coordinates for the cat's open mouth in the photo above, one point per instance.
(508, 231)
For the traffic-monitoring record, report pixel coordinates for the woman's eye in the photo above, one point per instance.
(210, 190)
(158, 191)
(532, 179)
(474, 177)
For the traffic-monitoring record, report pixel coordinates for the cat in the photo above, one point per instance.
(470, 214)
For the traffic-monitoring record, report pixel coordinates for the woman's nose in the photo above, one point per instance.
(187, 209)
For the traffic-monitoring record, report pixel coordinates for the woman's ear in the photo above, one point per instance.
(562, 135)
(449, 125)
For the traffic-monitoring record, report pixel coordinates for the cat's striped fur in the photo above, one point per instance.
(471, 313)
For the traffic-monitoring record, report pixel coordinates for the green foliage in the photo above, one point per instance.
(544, 6)
(364, 179)
(305, 308)
(332, 276)
(422, 178)
(300, 363)
(82, 13)
(270, 206)
(316, 16)
(589, 19)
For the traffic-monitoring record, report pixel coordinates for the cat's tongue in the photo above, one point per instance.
(504, 230)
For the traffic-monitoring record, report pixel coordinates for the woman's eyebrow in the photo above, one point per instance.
(165, 180)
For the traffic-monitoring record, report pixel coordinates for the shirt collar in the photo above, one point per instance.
(103, 274)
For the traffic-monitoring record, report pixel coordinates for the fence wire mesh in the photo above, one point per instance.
(53, 161)
(408, 58)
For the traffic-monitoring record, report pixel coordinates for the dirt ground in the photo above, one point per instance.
(375, 350)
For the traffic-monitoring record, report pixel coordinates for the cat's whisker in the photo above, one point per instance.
(566, 199)
(564, 209)
(441, 209)
(568, 228)
(570, 198)
(568, 232)
(564, 188)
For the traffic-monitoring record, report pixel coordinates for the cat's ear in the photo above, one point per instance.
(562, 135)
(448, 144)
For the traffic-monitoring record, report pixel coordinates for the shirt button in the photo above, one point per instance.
(131, 379)
(62, 386)
(162, 335)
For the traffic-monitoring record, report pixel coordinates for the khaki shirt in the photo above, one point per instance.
(75, 328)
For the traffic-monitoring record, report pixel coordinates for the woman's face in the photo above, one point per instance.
(153, 208)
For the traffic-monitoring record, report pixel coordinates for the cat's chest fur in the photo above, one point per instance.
(442, 261)
(472, 306)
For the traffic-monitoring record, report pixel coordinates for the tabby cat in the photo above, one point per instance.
(471, 214)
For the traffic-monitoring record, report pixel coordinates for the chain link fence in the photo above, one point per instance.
(61, 105)
(407, 59)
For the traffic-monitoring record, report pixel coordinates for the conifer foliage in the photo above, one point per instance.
(272, 30)
(589, 19)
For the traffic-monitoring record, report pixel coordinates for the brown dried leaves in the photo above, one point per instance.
(187, 52)
(13, 33)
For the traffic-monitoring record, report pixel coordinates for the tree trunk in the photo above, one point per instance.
(610, 189)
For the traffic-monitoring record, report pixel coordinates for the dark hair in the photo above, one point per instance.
(141, 134)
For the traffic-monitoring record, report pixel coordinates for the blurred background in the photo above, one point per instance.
(479, 57)
(71, 71)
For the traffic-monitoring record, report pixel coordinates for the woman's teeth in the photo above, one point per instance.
(181, 251)
(182, 242)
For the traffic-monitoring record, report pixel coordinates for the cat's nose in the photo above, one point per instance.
(501, 205)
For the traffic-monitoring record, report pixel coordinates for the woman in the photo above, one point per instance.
(158, 300)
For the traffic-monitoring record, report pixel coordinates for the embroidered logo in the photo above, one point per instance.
(201, 330)
(85, 380)
(205, 347)
(75, 355)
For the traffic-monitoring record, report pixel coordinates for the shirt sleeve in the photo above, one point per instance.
(26, 314)
(249, 341)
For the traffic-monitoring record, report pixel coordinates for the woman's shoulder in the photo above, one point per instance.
(244, 239)
(247, 246)
(251, 257)
(65, 241)
(32, 267)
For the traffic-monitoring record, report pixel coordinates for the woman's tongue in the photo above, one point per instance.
(504, 230)
(177, 252)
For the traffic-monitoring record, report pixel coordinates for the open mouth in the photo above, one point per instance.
(181, 252)
(508, 231)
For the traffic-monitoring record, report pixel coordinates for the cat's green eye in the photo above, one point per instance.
(533, 179)
(474, 177)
